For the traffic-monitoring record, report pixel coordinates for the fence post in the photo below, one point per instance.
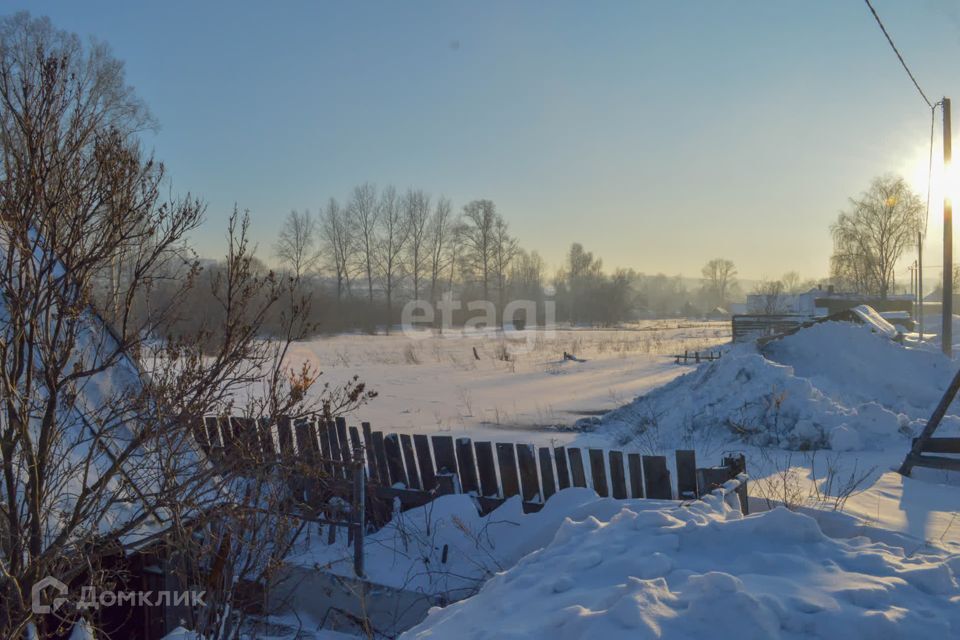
(359, 510)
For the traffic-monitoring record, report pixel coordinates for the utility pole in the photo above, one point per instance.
(946, 334)
(920, 277)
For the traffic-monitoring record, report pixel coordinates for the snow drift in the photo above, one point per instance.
(704, 571)
(834, 384)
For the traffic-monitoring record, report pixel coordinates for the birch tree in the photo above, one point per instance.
(364, 213)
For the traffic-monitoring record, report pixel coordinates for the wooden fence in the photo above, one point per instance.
(370, 470)
(696, 357)
(753, 326)
(415, 468)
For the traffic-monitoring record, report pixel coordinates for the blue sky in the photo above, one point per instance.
(658, 134)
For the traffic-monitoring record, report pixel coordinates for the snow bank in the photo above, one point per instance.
(408, 553)
(702, 572)
(834, 384)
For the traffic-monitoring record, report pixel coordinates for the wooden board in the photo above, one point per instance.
(656, 477)
(265, 427)
(371, 454)
(425, 460)
(468, 470)
(334, 447)
(941, 445)
(598, 472)
(345, 453)
(285, 437)
(487, 467)
(306, 443)
(356, 444)
(577, 475)
(563, 471)
(410, 461)
(398, 474)
(443, 454)
(508, 469)
(636, 475)
(529, 483)
(546, 473)
(381, 455)
(686, 474)
(617, 479)
(201, 433)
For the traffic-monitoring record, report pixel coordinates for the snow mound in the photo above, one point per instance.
(834, 384)
(447, 549)
(706, 572)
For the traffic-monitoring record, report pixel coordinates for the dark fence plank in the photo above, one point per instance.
(410, 461)
(372, 471)
(686, 474)
(216, 435)
(443, 454)
(285, 436)
(546, 473)
(941, 445)
(246, 435)
(563, 472)
(486, 465)
(577, 475)
(529, 483)
(201, 433)
(636, 475)
(334, 446)
(356, 444)
(381, 454)
(306, 444)
(508, 469)
(265, 427)
(598, 472)
(657, 477)
(425, 461)
(617, 480)
(346, 454)
(468, 470)
(226, 434)
(395, 460)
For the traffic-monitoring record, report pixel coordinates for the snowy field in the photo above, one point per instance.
(824, 417)
(437, 384)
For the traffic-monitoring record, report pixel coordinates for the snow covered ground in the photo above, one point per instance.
(436, 384)
(704, 571)
(824, 417)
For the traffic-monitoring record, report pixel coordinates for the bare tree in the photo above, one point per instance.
(97, 446)
(768, 297)
(297, 243)
(440, 237)
(791, 282)
(364, 212)
(416, 205)
(392, 238)
(719, 279)
(337, 243)
(581, 275)
(504, 251)
(476, 234)
(870, 238)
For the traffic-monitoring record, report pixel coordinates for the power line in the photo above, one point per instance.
(933, 117)
(899, 57)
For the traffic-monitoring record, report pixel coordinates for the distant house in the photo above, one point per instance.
(718, 313)
(818, 302)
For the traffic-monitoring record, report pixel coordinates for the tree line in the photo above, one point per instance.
(360, 259)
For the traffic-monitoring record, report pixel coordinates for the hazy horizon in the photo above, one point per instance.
(657, 135)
